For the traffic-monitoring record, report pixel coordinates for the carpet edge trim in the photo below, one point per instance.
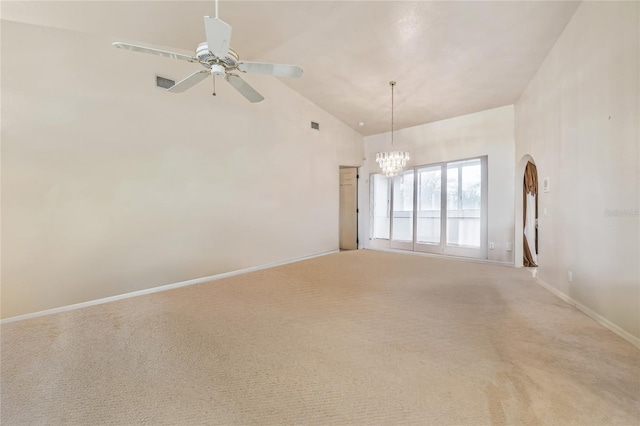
(593, 315)
(443, 256)
(157, 289)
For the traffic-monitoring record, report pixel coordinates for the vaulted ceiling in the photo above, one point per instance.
(448, 58)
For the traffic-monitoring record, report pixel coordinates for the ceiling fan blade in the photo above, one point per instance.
(279, 70)
(153, 51)
(244, 88)
(218, 36)
(189, 82)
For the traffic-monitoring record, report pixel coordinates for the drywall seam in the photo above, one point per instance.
(595, 316)
(157, 289)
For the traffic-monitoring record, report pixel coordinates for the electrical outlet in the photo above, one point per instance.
(509, 246)
(492, 245)
(570, 276)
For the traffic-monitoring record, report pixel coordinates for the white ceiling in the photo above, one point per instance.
(448, 58)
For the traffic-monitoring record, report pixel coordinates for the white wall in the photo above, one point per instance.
(111, 185)
(488, 133)
(578, 119)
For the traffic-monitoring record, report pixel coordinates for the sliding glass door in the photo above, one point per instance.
(402, 200)
(437, 208)
(466, 235)
(429, 209)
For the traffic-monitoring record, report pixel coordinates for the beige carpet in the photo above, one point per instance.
(351, 338)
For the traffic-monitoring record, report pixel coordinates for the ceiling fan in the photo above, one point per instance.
(219, 59)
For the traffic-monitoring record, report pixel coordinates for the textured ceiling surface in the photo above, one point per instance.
(448, 58)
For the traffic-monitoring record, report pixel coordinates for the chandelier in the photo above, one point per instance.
(392, 162)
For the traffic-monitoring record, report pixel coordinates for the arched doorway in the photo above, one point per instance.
(526, 209)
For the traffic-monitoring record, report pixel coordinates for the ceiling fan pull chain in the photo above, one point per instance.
(214, 85)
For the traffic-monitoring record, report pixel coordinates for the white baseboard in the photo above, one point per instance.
(158, 289)
(597, 317)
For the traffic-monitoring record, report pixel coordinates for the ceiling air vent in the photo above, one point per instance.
(165, 83)
(315, 125)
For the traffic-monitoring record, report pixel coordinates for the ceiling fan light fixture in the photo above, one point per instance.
(392, 163)
(217, 69)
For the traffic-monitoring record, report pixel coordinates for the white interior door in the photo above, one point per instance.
(349, 208)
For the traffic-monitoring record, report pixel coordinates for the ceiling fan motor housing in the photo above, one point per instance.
(205, 56)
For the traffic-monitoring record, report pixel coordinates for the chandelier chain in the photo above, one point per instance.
(393, 84)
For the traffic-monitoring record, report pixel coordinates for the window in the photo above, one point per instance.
(440, 208)
(380, 207)
(403, 207)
